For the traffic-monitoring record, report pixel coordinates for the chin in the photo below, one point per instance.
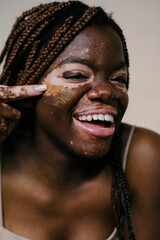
(93, 152)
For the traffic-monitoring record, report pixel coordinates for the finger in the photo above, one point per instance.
(11, 93)
(6, 127)
(3, 126)
(8, 112)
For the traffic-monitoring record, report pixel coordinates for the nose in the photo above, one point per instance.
(103, 91)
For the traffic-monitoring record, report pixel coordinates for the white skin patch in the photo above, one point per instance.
(67, 76)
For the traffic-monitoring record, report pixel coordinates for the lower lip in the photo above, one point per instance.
(94, 129)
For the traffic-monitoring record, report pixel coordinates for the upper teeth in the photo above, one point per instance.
(101, 117)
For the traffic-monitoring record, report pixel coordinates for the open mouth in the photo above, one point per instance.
(99, 119)
(101, 125)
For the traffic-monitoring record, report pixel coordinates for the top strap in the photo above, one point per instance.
(124, 161)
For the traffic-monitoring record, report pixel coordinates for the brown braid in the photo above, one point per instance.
(32, 54)
(20, 24)
(29, 26)
(42, 61)
(120, 178)
(115, 206)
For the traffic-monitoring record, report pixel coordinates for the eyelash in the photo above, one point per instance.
(79, 77)
(119, 81)
(74, 76)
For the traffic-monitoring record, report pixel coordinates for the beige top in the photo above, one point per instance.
(8, 235)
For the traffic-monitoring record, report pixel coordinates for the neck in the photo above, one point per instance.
(60, 168)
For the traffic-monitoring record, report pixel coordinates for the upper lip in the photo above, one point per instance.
(100, 110)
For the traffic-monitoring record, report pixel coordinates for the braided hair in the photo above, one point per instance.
(120, 201)
(37, 38)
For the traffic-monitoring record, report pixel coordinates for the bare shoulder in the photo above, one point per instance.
(143, 163)
(146, 142)
(143, 182)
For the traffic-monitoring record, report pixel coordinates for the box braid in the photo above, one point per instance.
(36, 39)
(24, 34)
(20, 25)
(120, 201)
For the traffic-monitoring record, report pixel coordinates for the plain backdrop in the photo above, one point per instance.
(140, 20)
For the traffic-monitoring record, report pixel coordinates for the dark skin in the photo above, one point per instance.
(60, 187)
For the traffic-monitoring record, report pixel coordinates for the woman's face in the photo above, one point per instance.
(86, 93)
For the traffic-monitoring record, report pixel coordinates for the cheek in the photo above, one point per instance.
(58, 107)
(52, 113)
(64, 97)
(123, 96)
(58, 100)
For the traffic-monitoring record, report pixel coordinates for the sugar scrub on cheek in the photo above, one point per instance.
(58, 99)
(67, 77)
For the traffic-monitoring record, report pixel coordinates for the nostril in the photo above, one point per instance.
(102, 92)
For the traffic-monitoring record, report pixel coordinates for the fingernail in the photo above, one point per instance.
(40, 88)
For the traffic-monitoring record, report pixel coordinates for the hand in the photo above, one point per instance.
(9, 116)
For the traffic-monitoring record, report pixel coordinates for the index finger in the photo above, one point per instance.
(11, 93)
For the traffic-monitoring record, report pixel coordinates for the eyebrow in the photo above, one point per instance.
(77, 60)
(90, 63)
(119, 66)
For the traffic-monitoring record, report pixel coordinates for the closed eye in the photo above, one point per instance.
(119, 81)
(74, 76)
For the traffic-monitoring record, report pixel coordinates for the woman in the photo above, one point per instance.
(62, 174)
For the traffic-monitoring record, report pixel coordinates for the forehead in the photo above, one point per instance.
(97, 44)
